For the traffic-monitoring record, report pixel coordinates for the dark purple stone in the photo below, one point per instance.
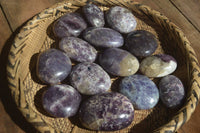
(78, 49)
(141, 43)
(141, 91)
(121, 19)
(103, 37)
(94, 15)
(53, 66)
(61, 100)
(90, 79)
(171, 91)
(106, 112)
(118, 62)
(71, 24)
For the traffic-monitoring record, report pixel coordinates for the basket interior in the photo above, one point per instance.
(41, 38)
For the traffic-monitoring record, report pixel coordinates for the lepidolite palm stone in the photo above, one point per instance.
(53, 66)
(103, 37)
(94, 15)
(78, 49)
(71, 24)
(171, 91)
(158, 65)
(90, 78)
(141, 43)
(142, 91)
(121, 19)
(118, 62)
(61, 100)
(106, 112)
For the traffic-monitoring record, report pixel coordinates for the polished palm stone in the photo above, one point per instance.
(78, 49)
(158, 65)
(94, 15)
(90, 79)
(61, 100)
(103, 37)
(71, 24)
(121, 19)
(118, 62)
(141, 43)
(171, 91)
(106, 112)
(53, 66)
(141, 91)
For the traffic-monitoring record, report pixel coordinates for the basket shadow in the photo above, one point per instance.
(5, 94)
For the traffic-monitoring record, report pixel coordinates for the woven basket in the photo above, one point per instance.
(36, 36)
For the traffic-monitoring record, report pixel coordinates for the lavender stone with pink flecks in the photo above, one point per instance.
(78, 49)
(53, 66)
(121, 19)
(106, 112)
(94, 15)
(90, 78)
(142, 92)
(171, 91)
(71, 24)
(61, 100)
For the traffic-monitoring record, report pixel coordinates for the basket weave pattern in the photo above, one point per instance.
(35, 37)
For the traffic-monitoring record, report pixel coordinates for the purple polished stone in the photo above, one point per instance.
(61, 100)
(121, 19)
(90, 79)
(106, 112)
(118, 62)
(78, 49)
(171, 91)
(158, 65)
(94, 15)
(141, 43)
(53, 66)
(142, 92)
(103, 37)
(71, 24)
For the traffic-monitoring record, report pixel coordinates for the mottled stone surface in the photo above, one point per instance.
(90, 78)
(71, 24)
(118, 62)
(106, 112)
(53, 66)
(94, 15)
(171, 91)
(61, 100)
(78, 49)
(141, 43)
(121, 19)
(103, 37)
(142, 92)
(158, 65)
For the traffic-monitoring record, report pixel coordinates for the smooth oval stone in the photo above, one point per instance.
(106, 112)
(78, 49)
(121, 19)
(158, 65)
(118, 62)
(103, 37)
(141, 43)
(61, 100)
(141, 91)
(171, 91)
(90, 79)
(71, 24)
(53, 66)
(94, 15)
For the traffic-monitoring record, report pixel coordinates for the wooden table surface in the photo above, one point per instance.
(14, 13)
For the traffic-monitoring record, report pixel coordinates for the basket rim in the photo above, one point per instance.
(193, 66)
